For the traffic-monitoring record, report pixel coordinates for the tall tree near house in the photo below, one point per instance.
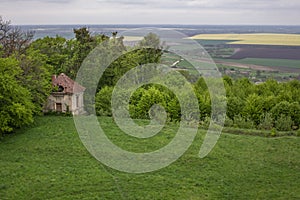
(15, 100)
(83, 44)
(36, 77)
(33, 71)
(56, 50)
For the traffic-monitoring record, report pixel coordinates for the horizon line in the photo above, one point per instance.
(147, 24)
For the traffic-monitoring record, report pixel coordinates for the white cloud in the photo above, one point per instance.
(198, 4)
(151, 11)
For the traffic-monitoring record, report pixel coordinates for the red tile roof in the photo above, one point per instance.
(67, 83)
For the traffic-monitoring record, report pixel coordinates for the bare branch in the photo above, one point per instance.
(13, 39)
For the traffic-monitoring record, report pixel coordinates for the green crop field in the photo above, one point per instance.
(254, 39)
(48, 161)
(266, 62)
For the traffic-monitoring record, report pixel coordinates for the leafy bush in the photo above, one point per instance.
(253, 108)
(282, 108)
(228, 122)
(235, 106)
(241, 122)
(205, 123)
(295, 113)
(16, 107)
(298, 133)
(149, 98)
(273, 132)
(249, 106)
(267, 122)
(103, 101)
(284, 123)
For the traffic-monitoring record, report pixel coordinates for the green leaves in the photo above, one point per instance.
(270, 104)
(16, 101)
(35, 77)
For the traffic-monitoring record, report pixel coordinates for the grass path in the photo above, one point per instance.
(48, 161)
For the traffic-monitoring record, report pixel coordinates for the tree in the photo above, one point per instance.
(149, 98)
(150, 48)
(103, 101)
(36, 77)
(254, 108)
(151, 40)
(56, 51)
(242, 88)
(15, 101)
(128, 58)
(13, 39)
(280, 109)
(83, 44)
(235, 106)
(295, 113)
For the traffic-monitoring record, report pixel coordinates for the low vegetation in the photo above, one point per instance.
(267, 106)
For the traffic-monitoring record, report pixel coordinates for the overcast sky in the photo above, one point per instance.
(256, 12)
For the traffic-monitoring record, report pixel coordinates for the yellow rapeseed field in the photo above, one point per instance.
(132, 38)
(255, 39)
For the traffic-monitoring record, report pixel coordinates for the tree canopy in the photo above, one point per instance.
(25, 82)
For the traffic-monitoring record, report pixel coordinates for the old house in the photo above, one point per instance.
(67, 96)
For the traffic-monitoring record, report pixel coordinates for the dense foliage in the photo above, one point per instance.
(24, 78)
(27, 65)
(267, 106)
(16, 105)
(26, 68)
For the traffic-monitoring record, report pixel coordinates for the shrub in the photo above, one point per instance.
(228, 122)
(267, 122)
(241, 122)
(205, 123)
(284, 123)
(298, 133)
(282, 108)
(295, 113)
(149, 98)
(16, 107)
(103, 101)
(235, 106)
(273, 132)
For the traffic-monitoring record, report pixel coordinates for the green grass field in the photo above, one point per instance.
(48, 161)
(266, 62)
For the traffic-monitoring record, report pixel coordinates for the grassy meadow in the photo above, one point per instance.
(48, 161)
(254, 39)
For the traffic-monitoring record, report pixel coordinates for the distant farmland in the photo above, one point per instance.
(268, 62)
(254, 39)
(258, 51)
(275, 53)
